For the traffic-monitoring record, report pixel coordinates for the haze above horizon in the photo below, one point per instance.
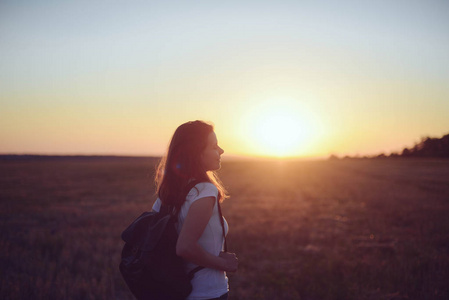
(278, 79)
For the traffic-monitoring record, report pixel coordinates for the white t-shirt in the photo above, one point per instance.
(207, 283)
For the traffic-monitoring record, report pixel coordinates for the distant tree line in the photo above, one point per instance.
(427, 147)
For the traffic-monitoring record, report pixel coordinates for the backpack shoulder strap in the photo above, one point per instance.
(192, 272)
(222, 226)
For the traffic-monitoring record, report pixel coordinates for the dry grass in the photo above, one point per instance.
(366, 229)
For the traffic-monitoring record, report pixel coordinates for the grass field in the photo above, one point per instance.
(348, 229)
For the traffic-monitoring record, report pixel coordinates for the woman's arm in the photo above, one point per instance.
(187, 246)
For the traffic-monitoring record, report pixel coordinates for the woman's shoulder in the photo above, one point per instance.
(157, 205)
(201, 190)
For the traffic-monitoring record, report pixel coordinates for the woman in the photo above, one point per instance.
(193, 156)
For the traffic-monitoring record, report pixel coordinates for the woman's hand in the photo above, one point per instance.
(231, 261)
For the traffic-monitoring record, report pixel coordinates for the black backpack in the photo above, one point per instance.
(149, 263)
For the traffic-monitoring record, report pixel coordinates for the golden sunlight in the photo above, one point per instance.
(278, 129)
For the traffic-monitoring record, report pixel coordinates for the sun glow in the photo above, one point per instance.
(278, 129)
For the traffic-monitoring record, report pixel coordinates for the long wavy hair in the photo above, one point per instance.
(182, 164)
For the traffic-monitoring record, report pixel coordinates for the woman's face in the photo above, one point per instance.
(210, 158)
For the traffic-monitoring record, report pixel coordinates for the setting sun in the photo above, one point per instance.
(279, 133)
(278, 129)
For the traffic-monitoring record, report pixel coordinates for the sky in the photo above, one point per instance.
(276, 78)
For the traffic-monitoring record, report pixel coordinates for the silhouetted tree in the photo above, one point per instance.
(427, 147)
(406, 152)
(394, 155)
